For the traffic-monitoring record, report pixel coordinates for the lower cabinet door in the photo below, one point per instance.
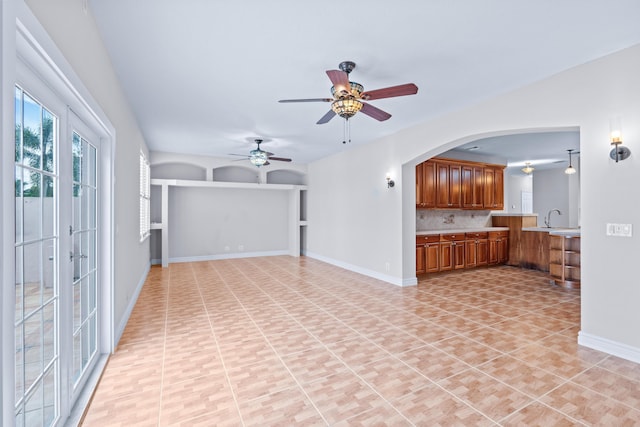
(458, 255)
(482, 252)
(420, 260)
(470, 254)
(432, 257)
(446, 256)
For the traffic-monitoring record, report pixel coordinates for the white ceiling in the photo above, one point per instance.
(204, 77)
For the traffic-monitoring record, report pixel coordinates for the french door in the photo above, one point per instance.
(57, 309)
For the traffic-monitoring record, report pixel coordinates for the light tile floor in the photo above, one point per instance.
(285, 341)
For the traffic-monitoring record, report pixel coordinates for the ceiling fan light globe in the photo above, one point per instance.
(258, 157)
(346, 108)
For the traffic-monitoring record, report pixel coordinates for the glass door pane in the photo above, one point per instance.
(36, 288)
(84, 255)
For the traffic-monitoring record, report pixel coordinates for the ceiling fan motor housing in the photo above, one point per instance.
(355, 90)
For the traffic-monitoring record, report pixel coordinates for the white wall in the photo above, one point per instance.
(208, 222)
(76, 35)
(355, 220)
(553, 189)
(515, 184)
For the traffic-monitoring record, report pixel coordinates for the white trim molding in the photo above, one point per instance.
(412, 281)
(222, 256)
(609, 346)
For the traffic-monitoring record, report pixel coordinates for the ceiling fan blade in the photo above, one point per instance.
(374, 112)
(326, 117)
(307, 100)
(280, 159)
(340, 81)
(241, 155)
(390, 92)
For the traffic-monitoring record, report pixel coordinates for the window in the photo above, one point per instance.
(145, 198)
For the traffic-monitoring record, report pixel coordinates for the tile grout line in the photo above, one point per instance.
(224, 366)
(164, 345)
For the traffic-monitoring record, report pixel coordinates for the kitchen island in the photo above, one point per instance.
(562, 247)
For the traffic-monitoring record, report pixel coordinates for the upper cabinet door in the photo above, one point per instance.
(449, 182)
(426, 185)
(472, 187)
(446, 184)
(493, 188)
(489, 185)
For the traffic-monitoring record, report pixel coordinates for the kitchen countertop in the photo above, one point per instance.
(569, 232)
(460, 230)
(514, 214)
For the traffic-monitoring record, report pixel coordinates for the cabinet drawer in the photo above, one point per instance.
(481, 235)
(451, 237)
(498, 234)
(427, 239)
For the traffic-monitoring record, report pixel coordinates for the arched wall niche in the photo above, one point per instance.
(178, 170)
(236, 174)
(286, 176)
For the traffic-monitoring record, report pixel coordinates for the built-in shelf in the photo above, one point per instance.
(564, 260)
(294, 206)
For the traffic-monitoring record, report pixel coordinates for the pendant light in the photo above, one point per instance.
(570, 170)
(528, 169)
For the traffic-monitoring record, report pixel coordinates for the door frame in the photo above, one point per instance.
(23, 39)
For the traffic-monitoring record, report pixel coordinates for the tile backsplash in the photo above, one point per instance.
(451, 219)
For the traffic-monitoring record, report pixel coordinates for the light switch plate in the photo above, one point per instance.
(620, 230)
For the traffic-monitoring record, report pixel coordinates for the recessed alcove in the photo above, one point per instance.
(178, 171)
(235, 174)
(285, 176)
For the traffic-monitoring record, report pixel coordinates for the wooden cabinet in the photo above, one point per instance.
(459, 184)
(476, 251)
(432, 257)
(446, 256)
(493, 188)
(427, 254)
(564, 260)
(498, 247)
(472, 187)
(448, 185)
(451, 251)
(425, 185)
(421, 267)
(525, 248)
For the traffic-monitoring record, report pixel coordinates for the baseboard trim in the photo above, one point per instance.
(609, 346)
(132, 303)
(412, 281)
(222, 256)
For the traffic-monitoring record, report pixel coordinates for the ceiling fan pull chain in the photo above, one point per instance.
(346, 131)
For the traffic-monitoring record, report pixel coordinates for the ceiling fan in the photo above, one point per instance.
(259, 157)
(348, 96)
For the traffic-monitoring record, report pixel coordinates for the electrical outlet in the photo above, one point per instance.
(387, 266)
(620, 230)
(241, 248)
(227, 248)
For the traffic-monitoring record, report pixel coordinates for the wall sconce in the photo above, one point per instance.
(619, 152)
(390, 183)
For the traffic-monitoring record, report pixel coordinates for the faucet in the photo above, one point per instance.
(547, 219)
